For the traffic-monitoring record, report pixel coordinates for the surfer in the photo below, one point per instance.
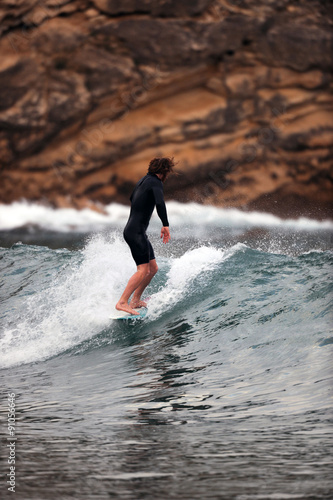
(147, 194)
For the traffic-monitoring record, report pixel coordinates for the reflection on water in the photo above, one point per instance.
(156, 419)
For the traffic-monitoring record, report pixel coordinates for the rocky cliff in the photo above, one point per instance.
(239, 92)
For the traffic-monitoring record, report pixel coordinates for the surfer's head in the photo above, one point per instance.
(161, 167)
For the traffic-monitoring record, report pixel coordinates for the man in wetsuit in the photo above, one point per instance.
(147, 194)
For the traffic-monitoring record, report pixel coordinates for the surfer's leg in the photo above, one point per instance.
(136, 299)
(133, 283)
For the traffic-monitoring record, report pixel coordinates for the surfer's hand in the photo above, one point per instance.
(165, 234)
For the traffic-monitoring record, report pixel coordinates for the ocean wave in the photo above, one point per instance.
(22, 214)
(64, 298)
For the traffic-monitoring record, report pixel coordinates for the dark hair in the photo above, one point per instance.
(162, 166)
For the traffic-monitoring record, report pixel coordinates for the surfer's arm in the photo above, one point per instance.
(160, 206)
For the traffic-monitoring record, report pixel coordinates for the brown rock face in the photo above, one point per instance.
(239, 92)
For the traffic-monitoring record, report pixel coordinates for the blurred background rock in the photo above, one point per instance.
(239, 92)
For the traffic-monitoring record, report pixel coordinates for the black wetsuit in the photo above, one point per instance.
(147, 194)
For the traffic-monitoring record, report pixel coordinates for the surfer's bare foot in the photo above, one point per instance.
(137, 303)
(123, 306)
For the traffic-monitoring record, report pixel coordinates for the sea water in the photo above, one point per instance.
(223, 391)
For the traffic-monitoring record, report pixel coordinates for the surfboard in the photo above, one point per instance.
(124, 315)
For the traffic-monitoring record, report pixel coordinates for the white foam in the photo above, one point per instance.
(20, 214)
(211, 216)
(76, 307)
(182, 272)
(78, 303)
